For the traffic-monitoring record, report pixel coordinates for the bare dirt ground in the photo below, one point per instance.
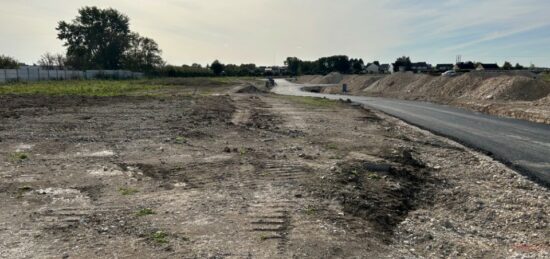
(249, 176)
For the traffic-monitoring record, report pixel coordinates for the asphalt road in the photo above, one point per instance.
(523, 145)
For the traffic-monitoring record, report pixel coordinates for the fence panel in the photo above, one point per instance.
(38, 74)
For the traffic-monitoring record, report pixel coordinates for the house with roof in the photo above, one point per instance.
(420, 67)
(487, 67)
(444, 67)
(465, 66)
(372, 68)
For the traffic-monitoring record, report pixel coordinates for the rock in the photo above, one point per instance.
(227, 150)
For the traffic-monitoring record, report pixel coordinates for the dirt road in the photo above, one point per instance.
(249, 176)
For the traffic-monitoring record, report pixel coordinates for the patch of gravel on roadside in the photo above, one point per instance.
(481, 209)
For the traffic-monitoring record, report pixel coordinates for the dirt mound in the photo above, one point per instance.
(252, 89)
(356, 83)
(544, 101)
(512, 88)
(475, 85)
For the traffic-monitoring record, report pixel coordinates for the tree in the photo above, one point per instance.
(294, 65)
(247, 70)
(519, 67)
(142, 55)
(51, 61)
(96, 38)
(217, 67)
(507, 66)
(357, 66)
(8, 62)
(404, 62)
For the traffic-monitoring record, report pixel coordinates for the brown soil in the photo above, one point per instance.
(249, 175)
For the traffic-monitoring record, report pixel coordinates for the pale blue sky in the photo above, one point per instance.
(267, 31)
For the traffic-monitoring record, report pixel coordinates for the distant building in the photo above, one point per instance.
(465, 66)
(420, 67)
(444, 67)
(487, 67)
(372, 68)
(274, 70)
(385, 68)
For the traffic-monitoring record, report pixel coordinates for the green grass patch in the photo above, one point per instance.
(332, 146)
(180, 140)
(19, 156)
(127, 191)
(160, 237)
(78, 87)
(141, 87)
(373, 176)
(310, 210)
(312, 101)
(546, 77)
(145, 212)
(196, 81)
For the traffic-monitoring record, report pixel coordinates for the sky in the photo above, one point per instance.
(265, 32)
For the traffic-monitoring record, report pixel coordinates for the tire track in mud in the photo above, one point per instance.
(271, 213)
(272, 184)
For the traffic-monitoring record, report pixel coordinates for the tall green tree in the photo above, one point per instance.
(8, 62)
(143, 54)
(357, 65)
(294, 65)
(217, 67)
(96, 38)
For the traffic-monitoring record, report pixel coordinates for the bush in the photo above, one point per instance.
(8, 62)
(183, 71)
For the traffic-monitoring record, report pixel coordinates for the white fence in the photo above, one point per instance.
(38, 74)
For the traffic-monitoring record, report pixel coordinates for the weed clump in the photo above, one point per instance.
(145, 212)
(127, 191)
(19, 156)
(180, 140)
(160, 237)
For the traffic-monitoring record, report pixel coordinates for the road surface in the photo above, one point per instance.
(523, 145)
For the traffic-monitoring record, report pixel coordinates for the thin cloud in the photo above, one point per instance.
(192, 31)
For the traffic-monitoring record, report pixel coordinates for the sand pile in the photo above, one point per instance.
(356, 83)
(476, 85)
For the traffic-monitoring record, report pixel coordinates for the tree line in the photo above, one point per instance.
(101, 39)
(340, 63)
